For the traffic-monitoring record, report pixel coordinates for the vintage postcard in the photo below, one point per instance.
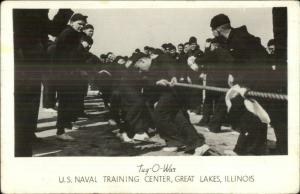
(150, 97)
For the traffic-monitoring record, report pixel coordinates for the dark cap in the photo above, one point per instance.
(180, 44)
(88, 26)
(193, 39)
(164, 46)
(103, 56)
(151, 49)
(136, 56)
(87, 39)
(172, 47)
(209, 40)
(169, 45)
(157, 51)
(219, 20)
(118, 58)
(78, 16)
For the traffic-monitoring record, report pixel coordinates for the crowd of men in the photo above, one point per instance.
(140, 90)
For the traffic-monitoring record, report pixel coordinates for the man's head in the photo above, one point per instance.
(88, 30)
(103, 57)
(186, 47)
(180, 48)
(220, 25)
(150, 50)
(143, 64)
(193, 43)
(155, 53)
(166, 48)
(146, 50)
(193, 46)
(208, 43)
(271, 46)
(120, 60)
(78, 21)
(86, 42)
(172, 50)
(214, 44)
(110, 57)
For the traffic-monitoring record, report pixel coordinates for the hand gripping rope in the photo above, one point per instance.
(273, 96)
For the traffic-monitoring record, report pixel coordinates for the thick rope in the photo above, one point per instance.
(274, 96)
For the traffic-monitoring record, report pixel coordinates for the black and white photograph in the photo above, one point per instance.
(150, 86)
(189, 83)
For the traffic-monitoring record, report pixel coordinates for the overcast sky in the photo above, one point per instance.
(123, 30)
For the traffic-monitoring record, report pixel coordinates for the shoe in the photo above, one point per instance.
(157, 139)
(141, 137)
(75, 127)
(229, 153)
(234, 133)
(170, 149)
(112, 122)
(200, 151)
(50, 110)
(116, 131)
(84, 115)
(124, 137)
(65, 137)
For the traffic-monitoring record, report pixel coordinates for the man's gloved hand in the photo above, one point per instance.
(230, 80)
(189, 80)
(162, 82)
(202, 76)
(173, 82)
(232, 93)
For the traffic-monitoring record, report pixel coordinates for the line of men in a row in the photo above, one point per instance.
(138, 91)
(243, 60)
(216, 62)
(192, 73)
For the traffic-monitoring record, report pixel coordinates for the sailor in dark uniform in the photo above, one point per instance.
(69, 56)
(194, 48)
(249, 57)
(135, 113)
(196, 97)
(215, 61)
(31, 28)
(170, 116)
(86, 62)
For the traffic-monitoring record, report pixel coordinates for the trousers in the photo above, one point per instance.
(27, 101)
(173, 125)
